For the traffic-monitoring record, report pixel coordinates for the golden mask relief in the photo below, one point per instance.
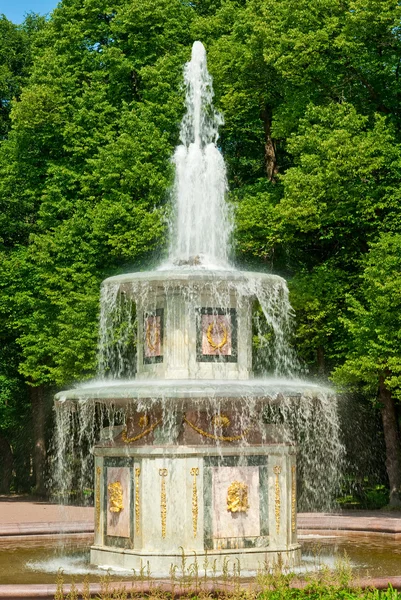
(115, 497)
(221, 421)
(237, 497)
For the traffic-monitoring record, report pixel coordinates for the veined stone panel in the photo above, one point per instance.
(242, 520)
(118, 502)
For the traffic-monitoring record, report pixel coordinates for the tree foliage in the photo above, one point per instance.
(374, 321)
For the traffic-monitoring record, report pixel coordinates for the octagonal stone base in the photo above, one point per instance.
(219, 505)
(253, 559)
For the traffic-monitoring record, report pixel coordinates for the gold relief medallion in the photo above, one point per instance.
(215, 332)
(221, 421)
(115, 497)
(143, 421)
(216, 337)
(237, 497)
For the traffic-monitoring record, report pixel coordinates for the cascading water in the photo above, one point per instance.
(195, 360)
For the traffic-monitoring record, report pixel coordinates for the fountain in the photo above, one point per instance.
(198, 456)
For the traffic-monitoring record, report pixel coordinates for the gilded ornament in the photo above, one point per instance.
(237, 497)
(277, 507)
(163, 501)
(115, 497)
(143, 421)
(293, 499)
(220, 438)
(97, 498)
(221, 421)
(194, 473)
(152, 334)
(128, 440)
(209, 335)
(137, 501)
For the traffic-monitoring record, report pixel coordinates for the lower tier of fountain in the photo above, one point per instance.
(229, 506)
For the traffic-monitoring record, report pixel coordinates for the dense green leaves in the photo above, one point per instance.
(90, 170)
(311, 136)
(374, 321)
(15, 58)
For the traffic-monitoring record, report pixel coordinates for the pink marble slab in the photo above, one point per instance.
(220, 329)
(118, 523)
(227, 524)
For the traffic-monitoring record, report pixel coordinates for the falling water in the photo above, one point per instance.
(270, 312)
(306, 415)
(202, 227)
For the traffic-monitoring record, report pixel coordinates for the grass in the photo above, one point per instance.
(201, 582)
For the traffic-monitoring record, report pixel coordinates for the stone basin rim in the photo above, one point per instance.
(193, 389)
(193, 275)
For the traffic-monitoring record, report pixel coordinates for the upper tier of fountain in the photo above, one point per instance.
(193, 323)
(193, 318)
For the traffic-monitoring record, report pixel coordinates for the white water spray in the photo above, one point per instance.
(202, 228)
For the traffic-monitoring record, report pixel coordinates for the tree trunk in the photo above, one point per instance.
(6, 466)
(270, 149)
(39, 429)
(392, 441)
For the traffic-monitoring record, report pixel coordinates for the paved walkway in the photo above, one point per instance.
(361, 522)
(17, 509)
(20, 515)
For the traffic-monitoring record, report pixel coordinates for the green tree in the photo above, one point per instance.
(373, 359)
(272, 58)
(15, 59)
(310, 95)
(84, 179)
(16, 44)
(340, 194)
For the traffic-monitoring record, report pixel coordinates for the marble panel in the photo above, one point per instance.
(243, 520)
(153, 336)
(118, 501)
(217, 334)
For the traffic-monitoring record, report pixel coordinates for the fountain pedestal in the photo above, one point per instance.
(223, 505)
